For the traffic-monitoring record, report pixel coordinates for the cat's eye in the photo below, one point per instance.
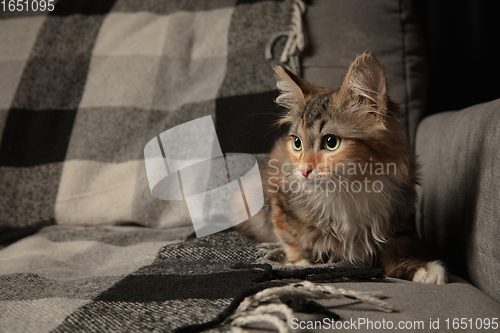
(297, 143)
(332, 142)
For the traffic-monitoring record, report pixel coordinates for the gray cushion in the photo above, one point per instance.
(340, 30)
(416, 304)
(459, 209)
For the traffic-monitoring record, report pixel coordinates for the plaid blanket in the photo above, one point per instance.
(83, 88)
(122, 279)
(119, 278)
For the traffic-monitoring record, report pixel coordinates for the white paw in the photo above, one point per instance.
(432, 273)
(301, 262)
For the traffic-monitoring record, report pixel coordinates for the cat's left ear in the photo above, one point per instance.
(365, 83)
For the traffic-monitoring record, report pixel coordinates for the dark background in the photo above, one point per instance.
(462, 40)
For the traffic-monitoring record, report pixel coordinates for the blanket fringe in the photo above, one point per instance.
(256, 308)
(272, 299)
(295, 42)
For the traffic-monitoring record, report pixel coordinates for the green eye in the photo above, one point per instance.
(332, 142)
(297, 144)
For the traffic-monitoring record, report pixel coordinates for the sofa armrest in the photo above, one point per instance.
(459, 200)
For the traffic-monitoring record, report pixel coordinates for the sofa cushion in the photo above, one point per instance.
(459, 205)
(419, 307)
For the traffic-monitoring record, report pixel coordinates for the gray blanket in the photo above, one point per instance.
(132, 278)
(83, 87)
(86, 86)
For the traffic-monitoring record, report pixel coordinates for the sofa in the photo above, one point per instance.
(86, 246)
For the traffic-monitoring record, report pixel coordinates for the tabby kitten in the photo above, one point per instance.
(340, 186)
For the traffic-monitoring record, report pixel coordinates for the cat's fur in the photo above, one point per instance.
(314, 204)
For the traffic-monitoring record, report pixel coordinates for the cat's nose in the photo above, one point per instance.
(305, 170)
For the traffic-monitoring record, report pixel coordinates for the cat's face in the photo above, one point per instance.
(354, 132)
(320, 143)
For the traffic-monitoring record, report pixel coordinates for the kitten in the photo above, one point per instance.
(340, 186)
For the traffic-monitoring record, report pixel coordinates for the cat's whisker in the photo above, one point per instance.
(382, 193)
(354, 199)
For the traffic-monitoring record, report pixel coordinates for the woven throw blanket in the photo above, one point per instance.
(85, 86)
(118, 278)
(127, 278)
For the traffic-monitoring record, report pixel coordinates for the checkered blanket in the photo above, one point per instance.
(119, 278)
(83, 88)
(80, 279)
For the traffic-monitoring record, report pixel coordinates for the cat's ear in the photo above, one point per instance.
(365, 84)
(293, 89)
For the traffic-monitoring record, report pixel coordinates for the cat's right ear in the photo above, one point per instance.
(293, 89)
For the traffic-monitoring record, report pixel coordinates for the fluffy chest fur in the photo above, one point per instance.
(332, 219)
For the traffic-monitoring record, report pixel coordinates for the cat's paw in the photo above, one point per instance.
(271, 252)
(432, 273)
(301, 262)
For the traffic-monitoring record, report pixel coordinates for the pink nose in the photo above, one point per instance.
(305, 170)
